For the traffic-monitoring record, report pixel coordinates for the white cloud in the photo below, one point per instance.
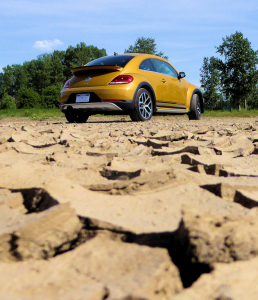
(47, 45)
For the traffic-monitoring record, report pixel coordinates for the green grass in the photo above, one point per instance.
(233, 113)
(32, 113)
(43, 114)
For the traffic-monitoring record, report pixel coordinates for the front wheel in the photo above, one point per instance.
(76, 117)
(143, 109)
(195, 108)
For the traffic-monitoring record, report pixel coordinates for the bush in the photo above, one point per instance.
(28, 98)
(50, 97)
(7, 102)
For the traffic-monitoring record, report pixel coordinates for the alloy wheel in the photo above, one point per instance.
(145, 105)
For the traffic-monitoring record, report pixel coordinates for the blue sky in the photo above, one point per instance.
(186, 31)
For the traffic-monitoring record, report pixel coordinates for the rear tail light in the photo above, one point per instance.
(66, 85)
(122, 79)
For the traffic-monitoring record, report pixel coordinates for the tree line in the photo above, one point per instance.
(229, 81)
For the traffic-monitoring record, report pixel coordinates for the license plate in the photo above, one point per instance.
(83, 98)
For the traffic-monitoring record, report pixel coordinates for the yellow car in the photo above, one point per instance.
(139, 85)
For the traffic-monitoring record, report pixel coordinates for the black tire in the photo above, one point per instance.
(143, 106)
(195, 108)
(76, 117)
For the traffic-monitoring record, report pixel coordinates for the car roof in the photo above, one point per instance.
(141, 54)
(136, 54)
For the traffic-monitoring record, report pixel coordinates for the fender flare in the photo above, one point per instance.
(148, 87)
(199, 93)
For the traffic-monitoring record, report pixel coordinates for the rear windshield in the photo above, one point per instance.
(120, 61)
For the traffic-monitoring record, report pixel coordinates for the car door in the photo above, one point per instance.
(174, 90)
(148, 70)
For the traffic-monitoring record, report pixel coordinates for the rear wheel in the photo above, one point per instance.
(195, 109)
(76, 117)
(143, 109)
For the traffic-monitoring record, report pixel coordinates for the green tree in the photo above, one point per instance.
(28, 98)
(57, 77)
(12, 79)
(8, 81)
(253, 98)
(85, 54)
(211, 83)
(238, 69)
(7, 102)
(39, 72)
(145, 45)
(1, 84)
(69, 61)
(50, 97)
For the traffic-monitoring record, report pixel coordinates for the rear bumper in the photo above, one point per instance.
(90, 107)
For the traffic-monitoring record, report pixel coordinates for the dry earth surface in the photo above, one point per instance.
(111, 209)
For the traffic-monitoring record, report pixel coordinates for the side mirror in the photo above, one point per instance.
(181, 75)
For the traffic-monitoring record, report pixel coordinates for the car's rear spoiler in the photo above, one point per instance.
(88, 68)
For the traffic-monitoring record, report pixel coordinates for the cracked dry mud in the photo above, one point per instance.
(111, 209)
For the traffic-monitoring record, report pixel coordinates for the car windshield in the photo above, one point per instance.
(120, 60)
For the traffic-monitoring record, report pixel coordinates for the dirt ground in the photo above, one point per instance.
(112, 209)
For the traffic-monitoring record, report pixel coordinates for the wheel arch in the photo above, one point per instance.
(148, 87)
(199, 93)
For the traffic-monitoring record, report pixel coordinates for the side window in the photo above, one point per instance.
(146, 65)
(164, 68)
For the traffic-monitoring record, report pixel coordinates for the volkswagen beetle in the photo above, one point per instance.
(139, 85)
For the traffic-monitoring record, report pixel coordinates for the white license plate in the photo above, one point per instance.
(83, 98)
